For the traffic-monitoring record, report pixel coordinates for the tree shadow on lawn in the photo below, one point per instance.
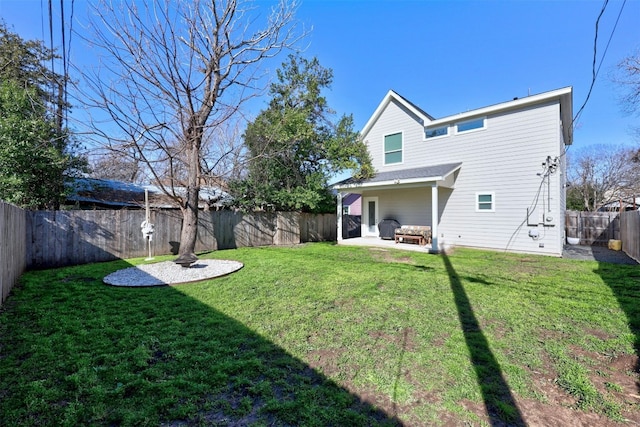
(153, 356)
(499, 403)
(623, 277)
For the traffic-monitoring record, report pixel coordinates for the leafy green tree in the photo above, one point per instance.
(32, 161)
(27, 63)
(36, 153)
(294, 147)
(576, 197)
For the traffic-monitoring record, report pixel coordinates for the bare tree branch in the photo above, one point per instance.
(604, 174)
(174, 72)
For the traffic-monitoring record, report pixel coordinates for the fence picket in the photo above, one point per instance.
(77, 237)
(13, 244)
(593, 228)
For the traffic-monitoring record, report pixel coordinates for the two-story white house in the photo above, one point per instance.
(493, 177)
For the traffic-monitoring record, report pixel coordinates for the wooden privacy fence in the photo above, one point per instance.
(630, 233)
(597, 228)
(58, 238)
(12, 247)
(593, 228)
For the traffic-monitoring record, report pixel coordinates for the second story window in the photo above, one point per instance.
(436, 132)
(470, 125)
(393, 148)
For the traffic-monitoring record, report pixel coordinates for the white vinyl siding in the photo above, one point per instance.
(393, 148)
(392, 120)
(407, 206)
(503, 158)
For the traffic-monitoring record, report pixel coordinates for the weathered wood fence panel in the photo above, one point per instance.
(288, 229)
(630, 233)
(593, 228)
(58, 238)
(12, 247)
(318, 227)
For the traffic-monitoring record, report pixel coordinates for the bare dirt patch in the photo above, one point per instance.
(388, 256)
(616, 378)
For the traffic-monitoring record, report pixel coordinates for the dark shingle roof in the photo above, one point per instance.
(423, 172)
(414, 105)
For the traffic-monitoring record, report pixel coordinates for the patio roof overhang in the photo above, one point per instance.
(436, 175)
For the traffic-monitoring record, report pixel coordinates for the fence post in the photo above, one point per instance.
(13, 243)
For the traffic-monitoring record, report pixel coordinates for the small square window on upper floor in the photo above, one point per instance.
(471, 125)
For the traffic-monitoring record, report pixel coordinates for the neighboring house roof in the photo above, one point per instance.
(626, 202)
(403, 176)
(117, 194)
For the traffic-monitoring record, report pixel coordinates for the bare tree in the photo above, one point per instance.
(628, 76)
(224, 156)
(603, 174)
(172, 73)
(117, 166)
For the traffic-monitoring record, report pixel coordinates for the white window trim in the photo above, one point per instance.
(456, 124)
(493, 201)
(424, 135)
(384, 153)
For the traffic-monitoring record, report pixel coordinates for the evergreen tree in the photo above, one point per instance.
(36, 153)
(294, 147)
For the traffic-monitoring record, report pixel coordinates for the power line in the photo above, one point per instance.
(51, 34)
(42, 20)
(64, 51)
(70, 35)
(594, 70)
(65, 68)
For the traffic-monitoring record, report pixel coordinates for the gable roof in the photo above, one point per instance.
(563, 95)
(393, 96)
(403, 176)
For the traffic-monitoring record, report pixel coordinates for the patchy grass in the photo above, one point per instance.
(327, 335)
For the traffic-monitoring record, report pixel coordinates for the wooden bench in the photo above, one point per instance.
(420, 234)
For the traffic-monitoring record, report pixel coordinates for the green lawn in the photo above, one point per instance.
(326, 335)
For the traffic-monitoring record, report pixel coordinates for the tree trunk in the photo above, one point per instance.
(189, 233)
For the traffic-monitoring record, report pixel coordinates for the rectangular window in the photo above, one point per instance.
(485, 202)
(436, 132)
(470, 125)
(393, 148)
(345, 210)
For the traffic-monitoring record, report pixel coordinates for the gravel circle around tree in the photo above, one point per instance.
(168, 273)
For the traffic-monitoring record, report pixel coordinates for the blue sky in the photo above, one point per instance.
(446, 56)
